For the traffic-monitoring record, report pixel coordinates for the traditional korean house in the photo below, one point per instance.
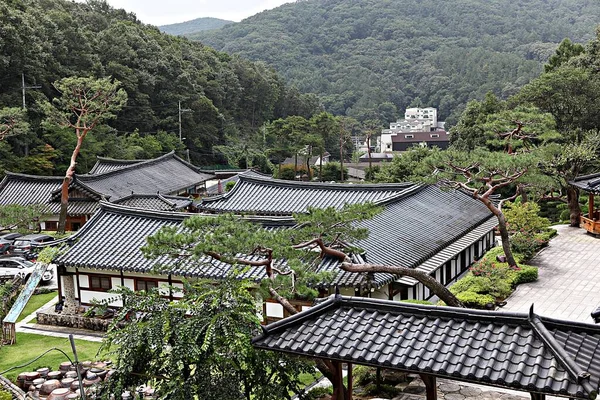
(168, 180)
(105, 254)
(591, 185)
(525, 352)
(424, 227)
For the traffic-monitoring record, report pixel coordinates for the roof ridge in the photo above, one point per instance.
(142, 212)
(75, 181)
(100, 159)
(328, 185)
(577, 373)
(152, 161)
(28, 176)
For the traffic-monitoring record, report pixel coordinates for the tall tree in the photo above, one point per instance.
(12, 122)
(83, 104)
(197, 347)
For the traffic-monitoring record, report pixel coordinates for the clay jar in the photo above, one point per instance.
(55, 375)
(59, 394)
(66, 383)
(21, 379)
(43, 372)
(49, 386)
(65, 366)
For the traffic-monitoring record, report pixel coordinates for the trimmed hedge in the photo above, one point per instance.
(476, 300)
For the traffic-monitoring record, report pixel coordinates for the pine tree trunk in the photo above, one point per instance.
(64, 194)
(510, 259)
(574, 207)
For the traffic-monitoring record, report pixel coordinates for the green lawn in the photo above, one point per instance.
(29, 346)
(35, 302)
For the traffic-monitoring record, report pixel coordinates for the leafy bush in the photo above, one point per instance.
(229, 185)
(475, 300)
(526, 274)
(331, 172)
(384, 390)
(527, 244)
(288, 172)
(529, 232)
(4, 395)
(318, 392)
(363, 375)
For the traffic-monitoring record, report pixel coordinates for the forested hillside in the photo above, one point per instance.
(386, 54)
(47, 40)
(194, 26)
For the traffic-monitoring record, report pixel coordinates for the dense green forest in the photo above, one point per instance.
(47, 40)
(384, 55)
(194, 26)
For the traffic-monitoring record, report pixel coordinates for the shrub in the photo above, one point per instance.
(332, 172)
(475, 300)
(287, 172)
(524, 218)
(527, 244)
(229, 185)
(525, 275)
(318, 392)
(4, 395)
(363, 375)
(384, 390)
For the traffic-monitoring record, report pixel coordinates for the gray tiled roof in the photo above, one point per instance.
(168, 174)
(112, 238)
(105, 164)
(415, 227)
(155, 202)
(588, 183)
(512, 350)
(25, 190)
(264, 196)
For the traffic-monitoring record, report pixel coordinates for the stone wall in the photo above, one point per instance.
(73, 321)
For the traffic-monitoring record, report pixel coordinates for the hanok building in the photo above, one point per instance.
(163, 183)
(436, 231)
(106, 254)
(591, 185)
(423, 227)
(525, 352)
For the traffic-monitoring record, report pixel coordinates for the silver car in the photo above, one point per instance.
(18, 266)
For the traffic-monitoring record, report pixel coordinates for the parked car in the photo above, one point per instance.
(5, 246)
(25, 244)
(10, 236)
(19, 266)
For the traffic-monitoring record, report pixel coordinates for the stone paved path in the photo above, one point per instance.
(569, 278)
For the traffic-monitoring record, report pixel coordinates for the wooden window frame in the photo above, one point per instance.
(99, 289)
(137, 280)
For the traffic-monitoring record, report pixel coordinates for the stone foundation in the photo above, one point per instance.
(73, 321)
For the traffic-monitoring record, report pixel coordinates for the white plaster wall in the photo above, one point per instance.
(274, 310)
(88, 295)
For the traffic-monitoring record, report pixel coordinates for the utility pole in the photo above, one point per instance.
(181, 111)
(23, 87)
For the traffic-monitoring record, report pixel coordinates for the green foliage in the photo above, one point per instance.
(407, 167)
(195, 25)
(319, 392)
(200, 344)
(525, 274)
(229, 185)
(565, 51)
(476, 300)
(4, 395)
(47, 254)
(228, 96)
(23, 219)
(524, 218)
(332, 171)
(388, 391)
(289, 173)
(12, 122)
(363, 375)
(362, 62)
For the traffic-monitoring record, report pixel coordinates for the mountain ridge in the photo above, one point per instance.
(194, 26)
(380, 56)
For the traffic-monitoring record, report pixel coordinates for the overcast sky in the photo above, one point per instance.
(163, 12)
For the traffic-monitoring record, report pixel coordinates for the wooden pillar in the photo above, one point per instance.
(349, 392)
(430, 386)
(591, 206)
(537, 396)
(338, 382)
